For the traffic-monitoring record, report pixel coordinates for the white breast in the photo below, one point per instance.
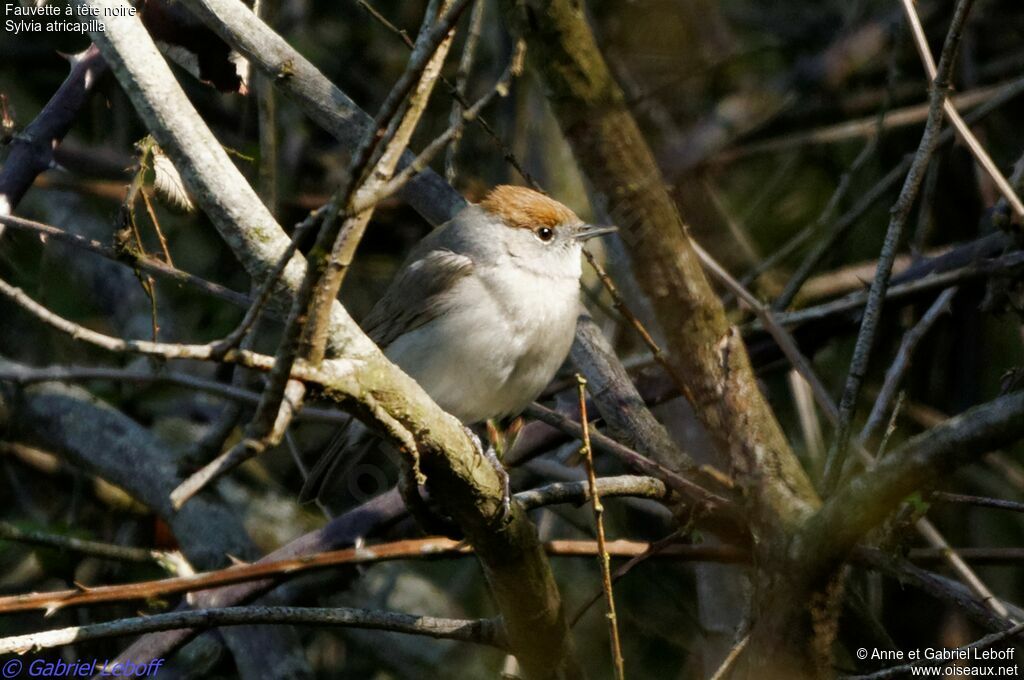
(492, 358)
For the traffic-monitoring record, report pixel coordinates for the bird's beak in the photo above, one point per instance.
(589, 231)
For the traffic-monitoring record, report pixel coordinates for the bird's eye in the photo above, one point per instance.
(545, 233)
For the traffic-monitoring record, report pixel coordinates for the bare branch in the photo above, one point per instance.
(31, 151)
(464, 630)
(859, 128)
(984, 160)
(476, 20)
(425, 548)
(26, 375)
(915, 466)
(323, 102)
(771, 323)
(846, 221)
(148, 264)
(708, 499)
(899, 366)
(979, 501)
(900, 213)
(602, 549)
(9, 532)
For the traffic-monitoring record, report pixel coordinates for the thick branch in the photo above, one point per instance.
(916, 466)
(323, 102)
(32, 150)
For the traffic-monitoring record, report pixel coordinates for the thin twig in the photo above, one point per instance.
(956, 561)
(859, 128)
(148, 264)
(929, 281)
(164, 350)
(803, 272)
(768, 318)
(449, 136)
(900, 213)
(653, 550)
(1004, 94)
(431, 38)
(980, 501)
(984, 160)
(637, 325)
(730, 659)
(266, 287)
(506, 152)
(1009, 556)
(156, 227)
(826, 244)
(606, 576)
(736, 229)
(476, 20)
(944, 589)
(480, 631)
(9, 532)
(635, 460)
(901, 363)
(383, 20)
(810, 424)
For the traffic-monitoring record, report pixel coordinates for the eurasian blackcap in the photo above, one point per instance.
(483, 311)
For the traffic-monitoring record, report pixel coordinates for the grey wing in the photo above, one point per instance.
(413, 299)
(417, 296)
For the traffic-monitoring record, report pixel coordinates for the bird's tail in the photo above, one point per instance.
(348, 445)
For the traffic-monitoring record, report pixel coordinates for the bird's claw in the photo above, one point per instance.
(506, 484)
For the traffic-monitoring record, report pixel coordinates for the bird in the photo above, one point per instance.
(481, 314)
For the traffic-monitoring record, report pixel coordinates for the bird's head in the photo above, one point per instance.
(536, 231)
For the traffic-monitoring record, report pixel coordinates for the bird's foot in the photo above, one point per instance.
(503, 434)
